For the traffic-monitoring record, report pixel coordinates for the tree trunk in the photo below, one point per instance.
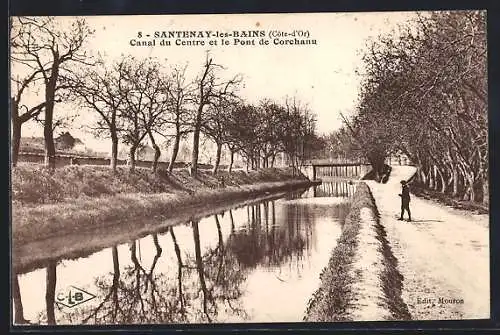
(231, 161)
(443, 181)
(116, 278)
(469, 193)
(199, 266)
(18, 304)
(48, 131)
(455, 181)
(483, 173)
(486, 191)
(114, 150)
(131, 157)
(175, 151)
(16, 139)
(159, 251)
(48, 134)
(472, 192)
(50, 292)
(217, 158)
(179, 269)
(376, 170)
(435, 174)
(423, 177)
(430, 178)
(232, 221)
(154, 166)
(219, 231)
(196, 143)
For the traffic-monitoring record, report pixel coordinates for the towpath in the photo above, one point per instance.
(443, 253)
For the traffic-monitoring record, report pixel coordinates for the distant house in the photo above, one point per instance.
(32, 144)
(145, 153)
(64, 143)
(79, 146)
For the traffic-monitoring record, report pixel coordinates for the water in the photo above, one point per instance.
(257, 263)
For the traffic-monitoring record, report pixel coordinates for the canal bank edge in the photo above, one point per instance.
(361, 281)
(78, 217)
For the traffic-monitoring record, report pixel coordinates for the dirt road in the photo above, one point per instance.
(443, 254)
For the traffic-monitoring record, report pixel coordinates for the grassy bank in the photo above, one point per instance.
(333, 299)
(79, 198)
(390, 278)
(361, 281)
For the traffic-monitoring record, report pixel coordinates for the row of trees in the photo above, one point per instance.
(425, 95)
(137, 100)
(41, 54)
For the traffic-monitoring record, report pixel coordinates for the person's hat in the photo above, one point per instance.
(403, 181)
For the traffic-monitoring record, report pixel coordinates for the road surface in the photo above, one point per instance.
(443, 254)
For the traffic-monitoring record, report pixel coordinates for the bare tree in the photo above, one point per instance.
(217, 124)
(208, 88)
(19, 86)
(18, 118)
(244, 132)
(180, 95)
(433, 74)
(63, 120)
(99, 89)
(44, 44)
(145, 100)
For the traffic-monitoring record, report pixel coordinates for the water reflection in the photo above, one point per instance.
(204, 271)
(204, 284)
(340, 188)
(263, 241)
(50, 292)
(16, 297)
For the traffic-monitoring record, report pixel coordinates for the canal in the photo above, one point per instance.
(254, 263)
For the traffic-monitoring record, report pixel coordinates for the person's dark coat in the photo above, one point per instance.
(405, 193)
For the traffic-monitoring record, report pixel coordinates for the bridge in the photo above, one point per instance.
(338, 168)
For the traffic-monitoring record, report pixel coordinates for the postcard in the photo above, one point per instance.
(249, 168)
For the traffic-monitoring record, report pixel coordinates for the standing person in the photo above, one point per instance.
(405, 199)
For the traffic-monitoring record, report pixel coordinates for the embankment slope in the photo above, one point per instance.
(78, 198)
(361, 281)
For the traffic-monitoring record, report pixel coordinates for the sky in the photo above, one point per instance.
(322, 76)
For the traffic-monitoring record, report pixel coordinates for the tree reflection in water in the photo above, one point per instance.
(48, 316)
(203, 282)
(338, 188)
(206, 285)
(18, 304)
(50, 292)
(179, 273)
(220, 278)
(134, 295)
(264, 242)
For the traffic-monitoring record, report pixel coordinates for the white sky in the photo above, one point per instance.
(322, 76)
